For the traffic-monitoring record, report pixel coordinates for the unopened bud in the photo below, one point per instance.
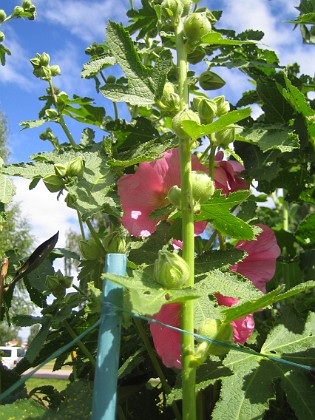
(215, 329)
(53, 183)
(225, 137)
(202, 187)
(90, 250)
(75, 167)
(2, 15)
(174, 196)
(223, 106)
(185, 115)
(171, 270)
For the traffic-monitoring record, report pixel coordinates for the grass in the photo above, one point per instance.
(59, 384)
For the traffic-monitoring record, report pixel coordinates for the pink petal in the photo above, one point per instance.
(260, 264)
(167, 342)
(243, 327)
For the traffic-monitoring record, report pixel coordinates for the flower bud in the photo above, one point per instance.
(206, 108)
(2, 15)
(171, 270)
(209, 80)
(185, 115)
(224, 137)
(196, 25)
(55, 70)
(202, 186)
(44, 59)
(60, 169)
(17, 11)
(90, 250)
(186, 6)
(115, 243)
(75, 167)
(53, 183)
(174, 196)
(213, 328)
(43, 73)
(2, 36)
(223, 106)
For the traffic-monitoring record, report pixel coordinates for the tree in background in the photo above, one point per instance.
(15, 242)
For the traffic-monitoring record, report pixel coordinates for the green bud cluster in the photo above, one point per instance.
(58, 284)
(63, 174)
(173, 10)
(41, 68)
(208, 109)
(171, 270)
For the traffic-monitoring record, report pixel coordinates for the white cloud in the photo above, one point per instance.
(85, 19)
(44, 213)
(16, 64)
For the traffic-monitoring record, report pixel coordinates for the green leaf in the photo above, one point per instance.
(37, 343)
(228, 284)
(289, 339)
(7, 189)
(32, 123)
(240, 396)
(146, 296)
(215, 38)
(305, 19)
(306, 230)
(23, 410)
(241, 309)
(299, 389)
(216, 211)
(269, 137)
(143, 84)
(195, 130)
(94, 66)
(211, 260)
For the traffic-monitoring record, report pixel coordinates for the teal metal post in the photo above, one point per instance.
(105, 382)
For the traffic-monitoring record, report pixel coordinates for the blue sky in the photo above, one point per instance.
(63, 29)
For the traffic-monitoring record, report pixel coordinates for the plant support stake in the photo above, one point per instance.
(107, 361)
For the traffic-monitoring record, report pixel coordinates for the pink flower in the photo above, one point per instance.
(146, 190)
(226, 175)
(260, 264)
(242, 327)
(167, 341)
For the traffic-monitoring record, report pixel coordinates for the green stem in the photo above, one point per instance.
(94, 234)
(187, 313)
(285, 213)
(156, 365)
(82, 346)
(81, 224)
(61, 119)
(211, 161)
(115, 110)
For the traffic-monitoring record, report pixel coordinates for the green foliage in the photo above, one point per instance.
(277, 150)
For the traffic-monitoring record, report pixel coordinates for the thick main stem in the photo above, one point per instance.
(187, 315)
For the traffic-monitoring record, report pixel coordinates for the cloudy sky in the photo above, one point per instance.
(63, 29)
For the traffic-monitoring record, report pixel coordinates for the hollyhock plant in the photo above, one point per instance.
(146, 190)
(259, 267)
